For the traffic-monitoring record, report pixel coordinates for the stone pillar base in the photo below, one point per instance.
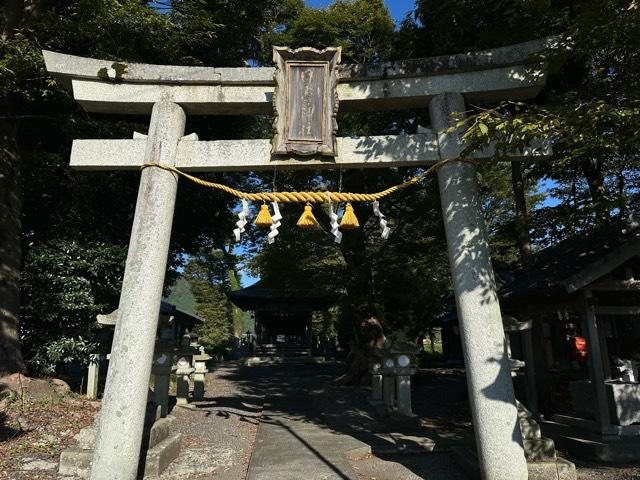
(163, 448)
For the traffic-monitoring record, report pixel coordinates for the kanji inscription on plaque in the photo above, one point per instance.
(305, 101)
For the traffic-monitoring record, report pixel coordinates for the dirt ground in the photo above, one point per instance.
(34, 431)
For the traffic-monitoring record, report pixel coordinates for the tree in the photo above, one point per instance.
(590, 108)
(12, 15)
(363, 28)
(208, 275)
(44, 203)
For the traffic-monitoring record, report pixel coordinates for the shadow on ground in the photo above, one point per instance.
(308, 417)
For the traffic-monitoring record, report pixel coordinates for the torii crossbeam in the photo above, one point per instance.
(170, 93)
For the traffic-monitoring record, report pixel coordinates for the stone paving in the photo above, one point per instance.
(315, 430)
(293, 440)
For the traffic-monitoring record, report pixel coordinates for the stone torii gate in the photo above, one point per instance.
(170, 93)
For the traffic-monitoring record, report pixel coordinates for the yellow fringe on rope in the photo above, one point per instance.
(349, 220)
(307, 220)
(309, 197)
(263, 219)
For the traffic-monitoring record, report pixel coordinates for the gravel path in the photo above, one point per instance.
(432, 466)
(218, 433)
(598, 472)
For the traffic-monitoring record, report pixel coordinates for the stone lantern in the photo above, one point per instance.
(396, 374)
(200, 365)
(183, 371)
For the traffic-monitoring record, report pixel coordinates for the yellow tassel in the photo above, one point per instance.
(307, 220)
(349, 220)
(263, 219)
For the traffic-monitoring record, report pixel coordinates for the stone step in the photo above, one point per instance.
(286, 352)
(539, 449)
(161, 455)
(76, 462)
(530, 428)
(618, 451)
(557, 469)
(160, 448)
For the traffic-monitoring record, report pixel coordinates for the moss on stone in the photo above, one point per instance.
(102, 73)
(119, 68)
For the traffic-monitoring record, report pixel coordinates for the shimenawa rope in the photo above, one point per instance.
(308, 197)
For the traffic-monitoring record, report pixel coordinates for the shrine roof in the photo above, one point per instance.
(575, 263)
(266, 295)
(183, 317)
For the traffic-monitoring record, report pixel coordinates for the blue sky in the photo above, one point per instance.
(398, 8)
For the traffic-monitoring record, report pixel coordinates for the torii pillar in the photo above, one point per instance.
(491, 397)
(125, 397)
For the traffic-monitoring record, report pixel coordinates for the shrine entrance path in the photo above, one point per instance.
(294, 439)
(312, 429)
(290, 422)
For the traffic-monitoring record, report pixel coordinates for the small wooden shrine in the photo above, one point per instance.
(282, 316)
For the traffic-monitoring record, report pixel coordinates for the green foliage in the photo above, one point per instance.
(448, 27)
(591, 113)
(207, 275)
(61, 351)
(74, 221)
(181, 296)
(65, 285)
(215, 333)
(363, 28)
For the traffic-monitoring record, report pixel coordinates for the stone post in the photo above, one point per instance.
(183, 371)
(594, 361)
(162, 376)
(93, 376)
(389, 392)
(491, 397)
(199, 375)
(403, 394)
(125, 398)
(376, 388)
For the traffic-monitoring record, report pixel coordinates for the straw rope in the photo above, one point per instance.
(309, 197)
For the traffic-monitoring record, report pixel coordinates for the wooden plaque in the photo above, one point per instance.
(305, 101)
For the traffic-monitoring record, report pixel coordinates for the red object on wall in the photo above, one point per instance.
(579, 348)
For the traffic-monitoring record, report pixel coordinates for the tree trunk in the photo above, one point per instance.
(11, 14)
(524, 246)
(592, 170)
(10, 250)
(522, 216)
(11, 17)
(368, 331)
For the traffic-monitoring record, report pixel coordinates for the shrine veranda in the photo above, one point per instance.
(169, 93)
